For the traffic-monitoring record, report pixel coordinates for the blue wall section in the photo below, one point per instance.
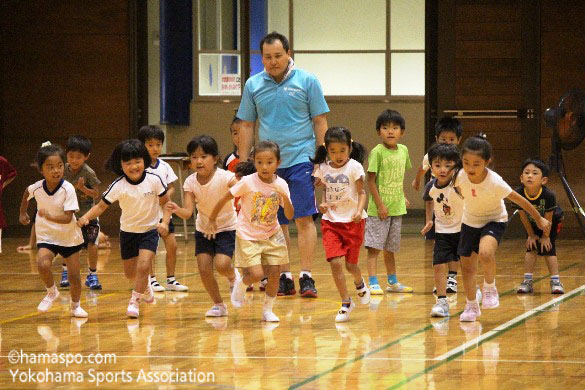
(176, 61)
(258, 29)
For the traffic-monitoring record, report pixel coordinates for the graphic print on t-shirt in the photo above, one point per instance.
(265, 209)
(337, 188)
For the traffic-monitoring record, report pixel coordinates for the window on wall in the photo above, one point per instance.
(372, 48)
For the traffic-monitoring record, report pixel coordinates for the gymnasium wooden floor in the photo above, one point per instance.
(529, 342)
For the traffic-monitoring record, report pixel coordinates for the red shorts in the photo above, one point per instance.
(343, 239)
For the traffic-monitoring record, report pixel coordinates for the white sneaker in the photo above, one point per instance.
(441, 308)
(364, 294)
(491, 298)
(343, 313)
(47, 301)
(148, 296)
(133, 309)
(269, 316)
(237, 294)
(176, 286)
(238, 275)
(218, 310)
(156, 287)
(78, 312)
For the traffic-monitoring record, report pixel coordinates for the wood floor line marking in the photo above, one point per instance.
(398, 340)
(497, 331)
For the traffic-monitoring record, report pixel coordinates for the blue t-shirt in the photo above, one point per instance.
(285, 112)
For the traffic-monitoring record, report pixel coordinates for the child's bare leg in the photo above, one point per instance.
(487, 256)
(440, 273)
(339, 277)
(255, 274)
(552, 264)
(453, 266)
(44, 261)
(530, 262)
(372, 261)
(205, 265)
(390, 262)
(272, 275)
(171, 259)
(223, 265)
(143, 261)
(92, 255)
(469, 271)
(73, 276)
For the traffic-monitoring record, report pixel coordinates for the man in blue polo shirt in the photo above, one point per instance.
(291, 110)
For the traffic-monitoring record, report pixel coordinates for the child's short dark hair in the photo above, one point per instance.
(150, 132)
(446, 152)
(478, 144)
(204, 142)
(274, 36)
(390, 116)
(235, 120)
(47, 151)
(126, 151)
(447, 123)
(79, 143)
(263, 146)
(340, 135)
(245, 168)
(538, 163)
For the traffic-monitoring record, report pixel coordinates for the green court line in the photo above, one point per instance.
(394, 342)
(476, 345)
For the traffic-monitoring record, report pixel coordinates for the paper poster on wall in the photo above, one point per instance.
(230, 75)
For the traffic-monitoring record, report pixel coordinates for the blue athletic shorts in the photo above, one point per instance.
(131, 243)
(299, 178)
(64, 251)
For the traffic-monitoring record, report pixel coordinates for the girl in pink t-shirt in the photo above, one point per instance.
(200, 189)
(259, 238)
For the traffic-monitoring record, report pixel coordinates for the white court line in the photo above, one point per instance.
(503, 327)
(314, 274)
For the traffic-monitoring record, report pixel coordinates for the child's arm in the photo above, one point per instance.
(382, 210)
(541, 222)
(532, 237)
(323, 206)
(210, 234)
(24, 218)
(5, 183)
(170, 190)
(289, 210)
(545, 239)
(61, 219)
(186, 211)
(359, 183)
(94, 192)
(417, 180)
(93, 213)
(429, 217)
(163, 227)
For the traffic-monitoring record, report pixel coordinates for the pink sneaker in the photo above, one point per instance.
(491, 298)
(471, 313)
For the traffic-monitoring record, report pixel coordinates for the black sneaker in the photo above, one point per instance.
(286, 286)
(307, 285)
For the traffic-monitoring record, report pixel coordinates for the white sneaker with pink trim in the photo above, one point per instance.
(471, 313)
(491, 298)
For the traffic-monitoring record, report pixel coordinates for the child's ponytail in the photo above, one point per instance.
(320, 155)
(358, 152)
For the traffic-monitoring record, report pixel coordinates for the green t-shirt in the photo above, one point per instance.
(91, 181)
(389, 166)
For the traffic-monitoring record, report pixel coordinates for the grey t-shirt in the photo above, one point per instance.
(91, 181)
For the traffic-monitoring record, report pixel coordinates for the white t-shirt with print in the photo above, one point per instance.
(447, 206)
(138, 200)
(259, 202)
(56, 203)
(206, 196)
(340, 189)
(483, 202)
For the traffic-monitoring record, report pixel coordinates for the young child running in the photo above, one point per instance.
(448, 130)
(86, 183)
(56, 227)
(339, 169)
(483, 222)
(387, 163)
(447, 207)
(140, 194)
(153, 138)
(201, 189)
(534, 178)
(259, 237)
(7, 174)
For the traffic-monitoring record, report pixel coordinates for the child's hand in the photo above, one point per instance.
(24, 219)
(544, 225)
(382, 212)
(82, 221)
(162, 229)
(416, 184)
(531, 242)
(323, 207)
(426, 228)
(211, 230)
(318, 182)
(357, 216)
(43, 213)
(171, 206)
(80, 184)
(545, 244)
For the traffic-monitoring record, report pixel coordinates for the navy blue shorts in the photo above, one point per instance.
(64, 251)
(131, 243)
(554, 231)
(171, 226)
(445, 250)
(302, 191)
(470, 236)
(224, 243)
(90, 232)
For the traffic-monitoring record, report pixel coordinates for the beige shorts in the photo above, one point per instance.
(272, 251)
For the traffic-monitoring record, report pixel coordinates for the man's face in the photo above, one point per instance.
(275, 59)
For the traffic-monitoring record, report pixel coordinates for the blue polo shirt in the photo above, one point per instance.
(285, 112)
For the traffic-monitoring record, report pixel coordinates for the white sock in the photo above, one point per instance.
(287, 274)
(268, 302)
(486, 284)
(308, 273)
(64, 267)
